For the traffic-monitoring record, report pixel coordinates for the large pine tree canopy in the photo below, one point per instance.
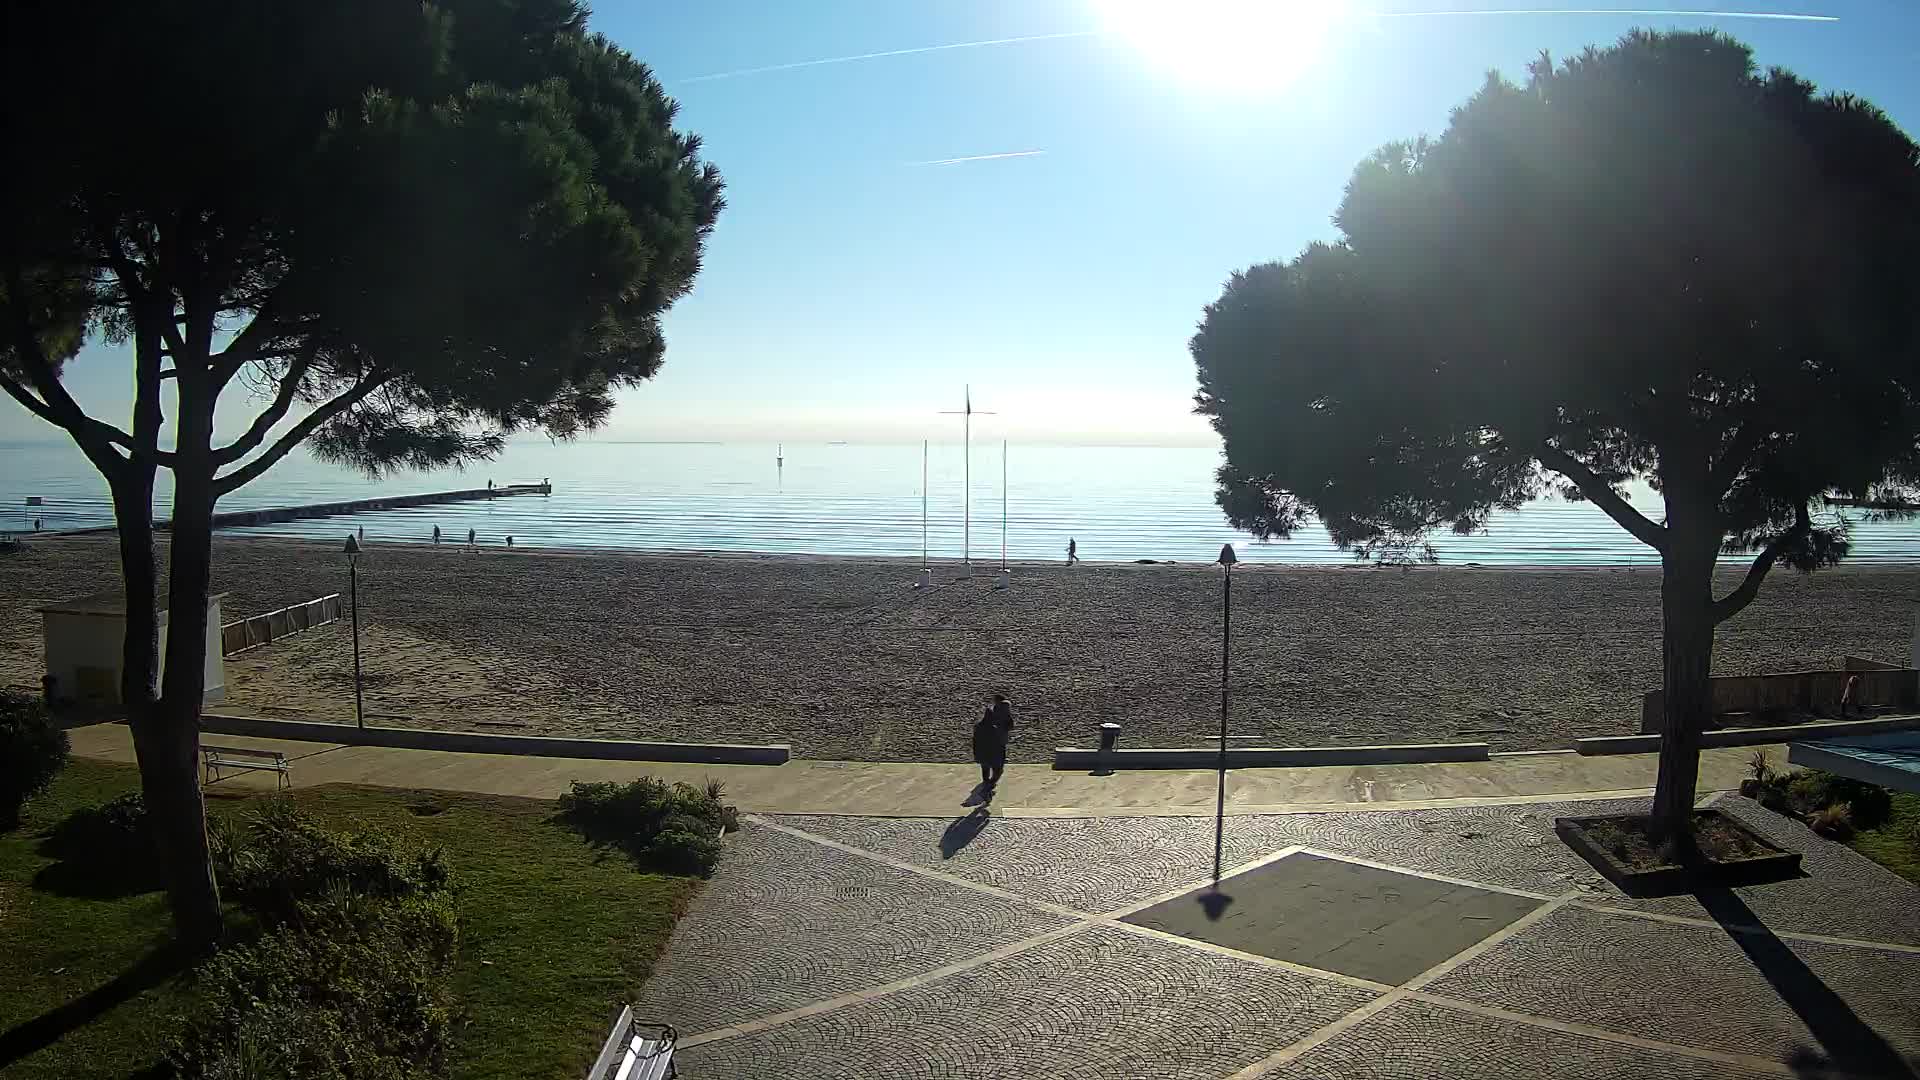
(1648, 261)
(419, 227)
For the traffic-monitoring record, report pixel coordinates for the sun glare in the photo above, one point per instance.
(1243, 45)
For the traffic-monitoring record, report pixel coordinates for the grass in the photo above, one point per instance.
(554, 935)
(1896, 844)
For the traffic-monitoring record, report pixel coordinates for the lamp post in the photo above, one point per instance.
(353, 586)
(1227, 559)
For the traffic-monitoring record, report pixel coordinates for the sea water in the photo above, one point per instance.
(1117, 503)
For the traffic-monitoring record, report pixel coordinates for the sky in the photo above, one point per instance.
(1044, 217)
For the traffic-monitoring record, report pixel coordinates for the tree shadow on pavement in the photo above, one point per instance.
(1852, 1047)
(152, 969)
(961, 831)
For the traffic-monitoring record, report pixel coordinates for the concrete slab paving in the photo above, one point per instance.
(1568, 991)
(1342, 916)
(1416, 1040)
(798, 923)
(1097, 1004)
(1740, 993)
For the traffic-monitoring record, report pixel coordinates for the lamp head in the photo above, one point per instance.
(353, 545)
(1227, 557)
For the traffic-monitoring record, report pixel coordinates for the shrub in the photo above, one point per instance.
(672, 828)
(32, 753)
(285, 860)
(358, 996)
(114, 834)
(1834, 822)
(1814, 790)
(351, 980)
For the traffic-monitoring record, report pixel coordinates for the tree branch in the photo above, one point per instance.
(1601, 494)
(57, 406)
(245, 346)
(25, 397)
(297, 434)
(275, 412)
(1725, 471)
(1730, 605)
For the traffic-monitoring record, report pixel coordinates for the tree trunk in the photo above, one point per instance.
(1686, 601)
(172, 738)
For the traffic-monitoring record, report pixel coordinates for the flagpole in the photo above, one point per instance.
(1003, 504)
(966, 480)
(923, 504)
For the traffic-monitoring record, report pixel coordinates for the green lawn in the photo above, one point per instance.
(553, 935)
(1895, 845)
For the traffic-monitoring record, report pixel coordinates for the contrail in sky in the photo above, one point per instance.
(979, 157)
(1664, 12)
(895, 52)
(1456, 13)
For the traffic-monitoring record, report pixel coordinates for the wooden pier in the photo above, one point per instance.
(361, 506)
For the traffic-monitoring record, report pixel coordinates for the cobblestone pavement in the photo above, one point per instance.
(875, 947)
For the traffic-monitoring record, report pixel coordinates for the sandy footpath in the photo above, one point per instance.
(845, 660)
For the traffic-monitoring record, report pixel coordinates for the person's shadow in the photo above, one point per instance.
(1852, 1047)
(961, 831)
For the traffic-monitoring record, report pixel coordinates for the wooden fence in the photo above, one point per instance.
(1795, 692)
(237, 637)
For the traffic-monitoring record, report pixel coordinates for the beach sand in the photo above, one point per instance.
(844, 659)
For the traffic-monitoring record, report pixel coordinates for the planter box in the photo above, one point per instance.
(1775, 864)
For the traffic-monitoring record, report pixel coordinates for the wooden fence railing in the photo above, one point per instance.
(237, 637)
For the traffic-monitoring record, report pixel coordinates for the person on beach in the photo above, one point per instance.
(470, 537)
(436, 534)
(509, 539)
(1073, 551)
(363, 532)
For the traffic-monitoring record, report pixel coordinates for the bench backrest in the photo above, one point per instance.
(241, 751)
(635, 1051)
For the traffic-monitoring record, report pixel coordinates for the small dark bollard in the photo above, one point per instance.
(1109, 738)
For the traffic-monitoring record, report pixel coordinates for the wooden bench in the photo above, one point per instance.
(217, 761)
(635, 1050)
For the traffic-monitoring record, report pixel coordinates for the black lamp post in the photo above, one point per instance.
(1227, 559)
(353, 586)
(1216, 901)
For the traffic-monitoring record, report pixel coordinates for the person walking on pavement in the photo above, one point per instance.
(990, 737)
(1073, 551)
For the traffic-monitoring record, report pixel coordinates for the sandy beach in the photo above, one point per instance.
(844, 659)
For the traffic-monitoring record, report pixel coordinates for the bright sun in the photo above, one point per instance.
(1231, 44)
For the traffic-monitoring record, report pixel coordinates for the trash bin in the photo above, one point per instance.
(1109, 736)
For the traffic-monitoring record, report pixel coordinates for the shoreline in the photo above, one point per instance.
(982, 568)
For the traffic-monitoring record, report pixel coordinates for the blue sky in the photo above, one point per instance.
(850, 290)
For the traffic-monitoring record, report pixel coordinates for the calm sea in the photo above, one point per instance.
(1120, 503)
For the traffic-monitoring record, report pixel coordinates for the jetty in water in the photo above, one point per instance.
(361, 506)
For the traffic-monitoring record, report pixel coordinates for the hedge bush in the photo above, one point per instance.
(281, 860)
(670, 828)
(113, 838)
(350, 981)
(32, 752)
(1806, 794)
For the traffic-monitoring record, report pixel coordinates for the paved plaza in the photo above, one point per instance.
(1421, 943)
